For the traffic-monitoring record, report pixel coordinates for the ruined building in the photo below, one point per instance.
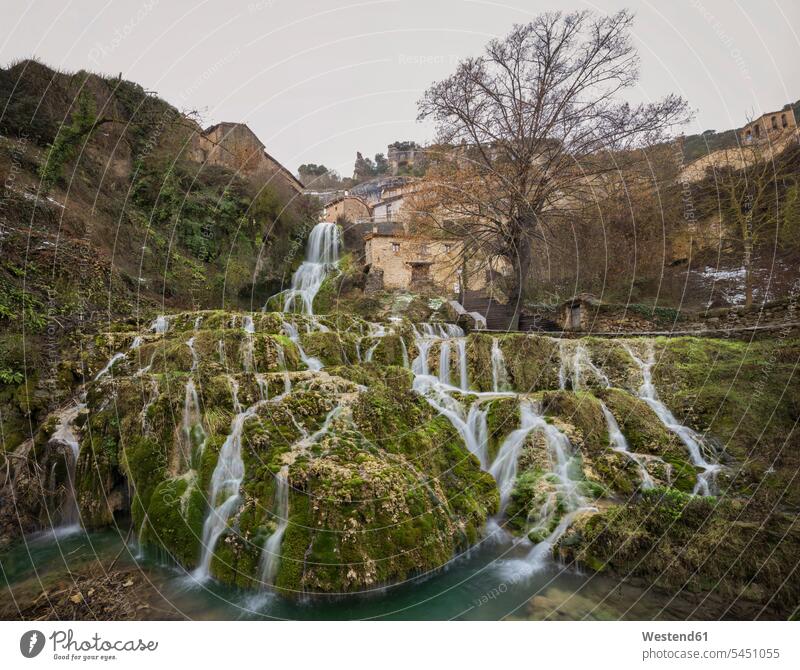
(235, 146)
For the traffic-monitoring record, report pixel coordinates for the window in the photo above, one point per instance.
(775, 122)
(757, 128)
(395, 247)
(784, 123)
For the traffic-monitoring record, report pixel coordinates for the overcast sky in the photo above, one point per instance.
(319, 79)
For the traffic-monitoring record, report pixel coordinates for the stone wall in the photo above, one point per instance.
(392, 254)
(235, 146)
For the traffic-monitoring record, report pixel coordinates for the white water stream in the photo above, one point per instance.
(691, 440)
(322, 256)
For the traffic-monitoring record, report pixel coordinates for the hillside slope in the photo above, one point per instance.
(104, 214)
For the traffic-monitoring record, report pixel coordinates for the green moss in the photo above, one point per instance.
(175, 519)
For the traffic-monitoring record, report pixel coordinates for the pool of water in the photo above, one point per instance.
(493, 581)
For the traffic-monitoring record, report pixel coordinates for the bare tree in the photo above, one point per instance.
(526, 128)
(749, 184)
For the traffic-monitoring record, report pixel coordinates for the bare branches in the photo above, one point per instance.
(526, 125)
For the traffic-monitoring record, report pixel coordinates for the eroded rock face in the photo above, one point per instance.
(213, 435)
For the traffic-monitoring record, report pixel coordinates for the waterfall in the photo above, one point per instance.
(65, 433)
(270, 554)
(471, 424)
(573, 367)
(620, 444)
(225, 482)
(322, 255)
(463, 377)
(109, 365)
(154, 392)
(691, 440)
(247, 350)
(287, 380)
(310, 362)
(444, 362)
(405, 352)
(195, 359)
(378, 331)
(504, 467)
(566, 498)
(192, 425)
(160, 325)
(562, 364)
(263, 387)
(499, 373)
(197, 322)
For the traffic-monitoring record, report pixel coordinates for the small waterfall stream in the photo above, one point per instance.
(620, 444)
(65, 433)
(504, 466)
(322, 256)
(160, 325)
(691, 440)
(247, 350)
(270, 555)
(291, 332)
(225, 482)
(499, 372)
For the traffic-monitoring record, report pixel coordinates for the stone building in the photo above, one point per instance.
(235, 146)
(402, 260)
(401, 156)
(769, 126)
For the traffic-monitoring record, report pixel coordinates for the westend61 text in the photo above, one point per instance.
(694, 636)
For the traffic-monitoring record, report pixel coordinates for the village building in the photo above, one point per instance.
(769, 126)
(401, 156)
(397, 259)
(235, 146)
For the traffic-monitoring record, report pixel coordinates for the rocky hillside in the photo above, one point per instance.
(105, 214)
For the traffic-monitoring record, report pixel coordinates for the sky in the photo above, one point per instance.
(318, 80)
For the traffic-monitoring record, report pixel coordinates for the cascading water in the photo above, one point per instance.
(470, 424)
(291, 332)
(504, 466)
(574, 366)
(322, 256)
(691, 440)
(499, 372)
(195, 358)
(378, 331)
(562, 364)
(247, 350)
(463, 377)
(160, 325)
(271, 553)
(109, 365)
(620, 444)
(65, 433)
(444, 362)
(225, 482)
(194, 435)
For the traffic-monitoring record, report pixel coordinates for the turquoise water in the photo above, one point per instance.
(491, 582)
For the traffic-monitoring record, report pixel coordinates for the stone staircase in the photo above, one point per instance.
(498, 316)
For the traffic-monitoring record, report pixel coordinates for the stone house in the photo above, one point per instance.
(235, 146)
(575, 313)
(397, 259)
(769, 126)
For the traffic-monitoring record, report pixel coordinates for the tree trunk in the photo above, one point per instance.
(521, 269)
(748, 271)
